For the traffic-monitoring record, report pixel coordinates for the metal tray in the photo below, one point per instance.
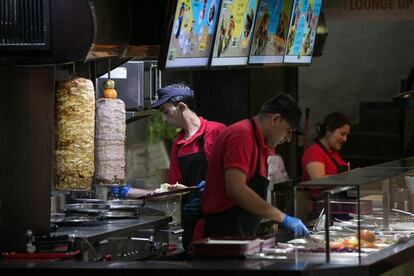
(116, 207)
(57, 217)
(80, 221)
(90, 204)
(88, 208)
(135, 202)
(174, 192)
(226, 247)
(91, 200)
(119, 214)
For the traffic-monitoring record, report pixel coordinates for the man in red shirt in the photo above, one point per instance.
(190, 149)
(234, 200)
(189, 152)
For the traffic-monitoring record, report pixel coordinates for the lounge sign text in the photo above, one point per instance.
(370, 9)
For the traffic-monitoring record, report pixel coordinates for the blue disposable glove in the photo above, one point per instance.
(200, 187)
(295, 225)
(193, 208)
(119, 191)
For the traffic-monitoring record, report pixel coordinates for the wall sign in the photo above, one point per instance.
(381, 10)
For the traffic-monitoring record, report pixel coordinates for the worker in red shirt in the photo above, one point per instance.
(322, 157)
(190, 149)
(234, 199)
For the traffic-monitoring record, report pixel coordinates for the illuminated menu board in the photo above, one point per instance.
(270, 32)
(302, 31)
(234, 32)
(192, 33)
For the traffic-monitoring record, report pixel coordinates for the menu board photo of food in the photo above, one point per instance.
(302, 31)
(270, 32)
(192, 33)
(234, 32)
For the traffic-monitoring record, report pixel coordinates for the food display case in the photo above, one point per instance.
(376, 201)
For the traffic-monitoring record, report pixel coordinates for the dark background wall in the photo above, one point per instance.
(363, 63)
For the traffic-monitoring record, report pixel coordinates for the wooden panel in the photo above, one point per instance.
(26, 146)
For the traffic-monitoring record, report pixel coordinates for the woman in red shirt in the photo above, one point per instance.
(322, 157)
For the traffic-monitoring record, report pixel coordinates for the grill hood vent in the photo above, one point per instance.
(24, 24)
(64, 31)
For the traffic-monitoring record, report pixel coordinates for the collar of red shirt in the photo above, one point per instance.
(199, 132)
(260, 139)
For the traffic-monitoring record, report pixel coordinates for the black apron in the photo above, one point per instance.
(236, 221)
(193, 168)
(339, 168)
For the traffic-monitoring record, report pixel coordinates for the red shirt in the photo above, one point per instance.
(190, 146)
(314, 153)
(234, 148)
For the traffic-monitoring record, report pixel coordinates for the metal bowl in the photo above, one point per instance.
(134, 202)
(81, 221)
(91, 200)
(56, 217)
(118, 207)
(119, 214)
(89, 208)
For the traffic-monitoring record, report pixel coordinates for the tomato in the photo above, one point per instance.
(109, 93)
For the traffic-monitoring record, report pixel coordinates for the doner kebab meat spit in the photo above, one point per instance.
(74, 132)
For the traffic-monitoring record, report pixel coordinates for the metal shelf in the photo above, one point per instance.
(362, 176)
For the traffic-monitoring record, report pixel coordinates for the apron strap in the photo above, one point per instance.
(258, 166)
(337, 165)
(200, 142)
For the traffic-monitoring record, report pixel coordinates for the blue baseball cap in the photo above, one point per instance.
(287, 107)
(167, 92)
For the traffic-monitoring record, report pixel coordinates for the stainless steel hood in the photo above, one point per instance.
(64, 31)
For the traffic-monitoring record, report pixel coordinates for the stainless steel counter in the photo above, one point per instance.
(301, 264)
(341, 263)
(113, 227)
(123, 239)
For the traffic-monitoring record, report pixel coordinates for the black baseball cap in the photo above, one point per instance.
(167, 92)
(287, 107)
